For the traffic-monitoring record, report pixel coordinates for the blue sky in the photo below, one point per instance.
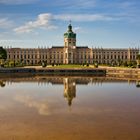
(98, 23)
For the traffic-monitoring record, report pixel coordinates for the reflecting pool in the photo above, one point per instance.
(69, 108)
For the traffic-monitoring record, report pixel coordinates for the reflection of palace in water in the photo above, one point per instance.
(68, 82)
(69, 89)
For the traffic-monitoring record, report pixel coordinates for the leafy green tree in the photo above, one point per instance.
(11, 63)
(138, 57)
(113, 63)
(125, 63)
(129, 64)
(44, 64)
(138, 60)
(3, 56)
(119, 62)
(96, 64)
(3, 53)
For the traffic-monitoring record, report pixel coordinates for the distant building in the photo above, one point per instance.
(70, 53)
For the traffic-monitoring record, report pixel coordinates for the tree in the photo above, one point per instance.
(119, 62)
(3, 56)
(129, 63)
(96, 64)
(125, 63)
(138, 60)
(113, 63)
(44, 64)
(138, 57)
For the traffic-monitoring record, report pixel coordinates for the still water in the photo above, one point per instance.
(69, 108)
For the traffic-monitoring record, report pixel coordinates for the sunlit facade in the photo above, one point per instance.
(70, 53)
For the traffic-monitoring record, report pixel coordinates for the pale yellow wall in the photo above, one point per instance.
(76, 55)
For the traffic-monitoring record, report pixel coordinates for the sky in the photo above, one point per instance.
(42, 23)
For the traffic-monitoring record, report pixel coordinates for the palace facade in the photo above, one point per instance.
(70, 53)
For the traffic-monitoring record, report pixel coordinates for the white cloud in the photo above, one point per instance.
(40, 106)
(42, 21)
(16, 2)
(83, 17)
(45, 21)
(5, 23)
(77, 29)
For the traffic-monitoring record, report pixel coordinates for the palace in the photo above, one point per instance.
(70, 53)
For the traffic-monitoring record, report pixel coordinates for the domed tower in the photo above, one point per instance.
(69, 37)
(69, 46)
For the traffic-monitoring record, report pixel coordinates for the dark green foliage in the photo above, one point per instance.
(129, 64)
(96, 65)
(44, 64)
(112, 63)
(3, 53)
(138, 57)
(119, 62)
(125, 64)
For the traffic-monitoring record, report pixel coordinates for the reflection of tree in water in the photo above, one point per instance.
(69, 89)
(138, 83)
(2, 84)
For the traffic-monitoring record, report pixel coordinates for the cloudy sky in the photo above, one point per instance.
(103, 23)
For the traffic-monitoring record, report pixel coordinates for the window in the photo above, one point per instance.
(66, 55)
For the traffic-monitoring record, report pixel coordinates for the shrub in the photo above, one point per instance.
(44, 64)
(96, 65)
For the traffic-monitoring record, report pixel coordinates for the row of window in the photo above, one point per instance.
(61, 57)
(119, 53)
(81, 55)
(34, 56)
(38, 62)
(111, 52)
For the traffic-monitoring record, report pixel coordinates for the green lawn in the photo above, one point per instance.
(70, 66)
